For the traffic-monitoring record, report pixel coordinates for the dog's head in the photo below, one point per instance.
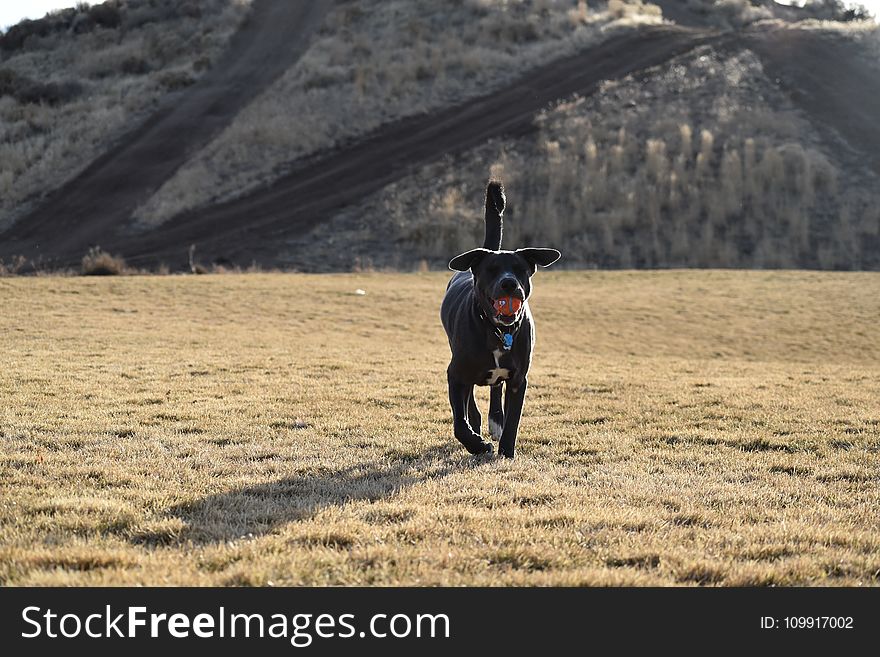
(502, 279)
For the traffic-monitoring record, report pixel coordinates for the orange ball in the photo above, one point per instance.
(508, 305)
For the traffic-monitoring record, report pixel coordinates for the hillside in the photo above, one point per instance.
(702, 161)
(729, 135)
(375, 62)
(75, 82)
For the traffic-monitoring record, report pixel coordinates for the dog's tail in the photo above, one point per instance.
(494, 209)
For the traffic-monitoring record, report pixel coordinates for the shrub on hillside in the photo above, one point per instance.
(28, 91)
(741, 12)
(17, 35)
(76, 20)
(13, 267)
(106, 15)
(836, 10)
(10, 82)
(51, 93)
(98, 262)
(134, 66)
(176, 80)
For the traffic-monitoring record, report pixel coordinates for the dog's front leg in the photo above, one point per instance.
(458, 398)
(474, 417)
(514, 396)
(496, 412)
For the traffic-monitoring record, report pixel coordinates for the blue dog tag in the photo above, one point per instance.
(507, 340)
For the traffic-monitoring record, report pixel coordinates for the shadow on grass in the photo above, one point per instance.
(257, 510)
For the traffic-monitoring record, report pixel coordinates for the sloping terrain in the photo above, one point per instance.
(823, 73)
(246, 229)
(732, 172)
(93, 205)
(296, 203)
(77, 82)
(833, 81)
(375, 62)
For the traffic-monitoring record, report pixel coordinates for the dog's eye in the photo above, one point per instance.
(493, 270)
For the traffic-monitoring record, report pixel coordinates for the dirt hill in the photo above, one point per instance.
(384, 195)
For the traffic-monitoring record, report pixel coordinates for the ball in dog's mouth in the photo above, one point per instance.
(506, 309)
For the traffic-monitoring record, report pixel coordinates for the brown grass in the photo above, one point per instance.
(692, 428)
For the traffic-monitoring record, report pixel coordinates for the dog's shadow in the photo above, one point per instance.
(257, 510)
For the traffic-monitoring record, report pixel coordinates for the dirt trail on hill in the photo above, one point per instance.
(251, 227)
(90, 208)
(826, 75)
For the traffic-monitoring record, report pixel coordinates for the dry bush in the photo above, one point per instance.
(13, 267)
(98, 262)
(835, 10)
(176, 80)
(377, 61)
(737, 13)
(30, 92)
(633, 8)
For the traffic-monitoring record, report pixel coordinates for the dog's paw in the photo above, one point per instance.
(495, 429)
(505, 453)
(481, 447)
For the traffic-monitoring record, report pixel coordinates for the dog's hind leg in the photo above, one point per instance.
(496, 413)
(458, 399)
(474, 417)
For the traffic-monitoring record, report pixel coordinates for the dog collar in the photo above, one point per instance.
(507, 341)
(506, 338)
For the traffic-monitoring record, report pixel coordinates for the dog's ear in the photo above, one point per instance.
(543, 257)
(468, 259)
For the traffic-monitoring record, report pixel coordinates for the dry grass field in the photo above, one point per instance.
(681, 428)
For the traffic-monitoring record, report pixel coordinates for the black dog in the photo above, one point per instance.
(486, 316)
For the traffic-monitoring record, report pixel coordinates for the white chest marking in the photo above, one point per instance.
(499, 373)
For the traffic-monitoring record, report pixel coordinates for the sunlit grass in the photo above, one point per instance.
(698, 427)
